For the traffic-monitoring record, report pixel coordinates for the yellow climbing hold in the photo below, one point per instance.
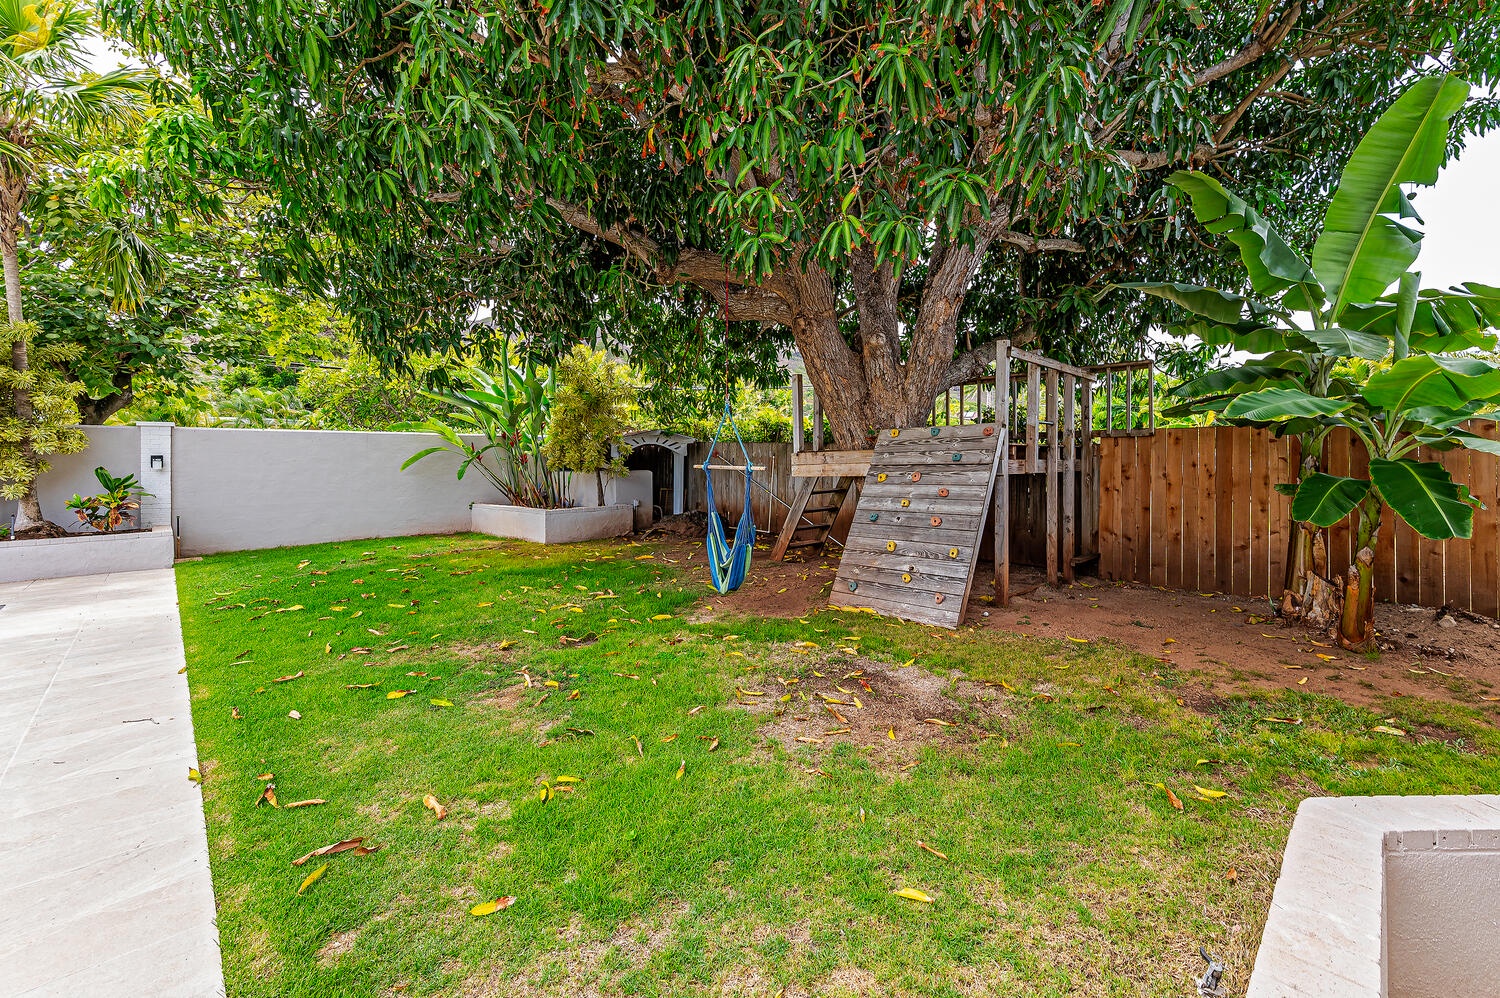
(905, 576)
(880, 477)
(953, 552)
(890, 545)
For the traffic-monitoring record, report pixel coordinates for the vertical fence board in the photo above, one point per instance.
(1208, 514)
(1485, 558)
(1259, 512)
(1109, 509)
(1171, 474)
(1282, 470)
(1131, 545)
(1192, 491)
(1156, 514)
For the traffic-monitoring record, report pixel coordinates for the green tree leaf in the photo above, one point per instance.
(1425, 380)
(1273, 265)
(1337, 341)
(1424, 495)
(1326, 499)
(1217, 306)
(1271, 405)
(1362, 250)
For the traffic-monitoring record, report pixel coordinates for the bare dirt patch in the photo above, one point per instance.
(337, 945)
(581, 969)
(1232, 643)
(854, 700)
(506, 699)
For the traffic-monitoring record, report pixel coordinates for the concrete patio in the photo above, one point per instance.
(104, 878)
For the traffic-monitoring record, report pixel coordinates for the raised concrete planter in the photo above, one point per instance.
(552, 526)
(1385, 897)
(86, 554)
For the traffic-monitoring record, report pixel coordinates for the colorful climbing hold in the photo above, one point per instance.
(895, 433)
(853, 586)
(936, 430)
(938, 598)
(905, 503)
(874, 517)
(880, 477)
(989, 431)
(916, 476)
(905, 576)
(953, 552)
(937, 521)
(890, 545)
(942, 493)
(957, 456)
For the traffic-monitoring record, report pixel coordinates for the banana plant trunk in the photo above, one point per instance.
(1310, 595)
(1357, 621)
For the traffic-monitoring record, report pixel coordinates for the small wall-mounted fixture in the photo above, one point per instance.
(158, 462)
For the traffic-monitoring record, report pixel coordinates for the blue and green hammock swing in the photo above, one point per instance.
(729, 563)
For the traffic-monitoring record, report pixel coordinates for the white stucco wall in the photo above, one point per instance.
(117, 448)
(239, 489)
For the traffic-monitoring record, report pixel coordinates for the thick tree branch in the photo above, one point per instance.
(766, 301)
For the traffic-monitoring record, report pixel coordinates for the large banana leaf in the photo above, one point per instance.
(1211, 303)
(1362, 250)
(1273, 265)
(1327, 499)
(1233, 380)
(1426, 380)
(1337, 341)
(1247, 335)
(1424, 495)
(1272, 405)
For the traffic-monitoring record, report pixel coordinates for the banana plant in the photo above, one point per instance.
(508, 412)
(1339, 348)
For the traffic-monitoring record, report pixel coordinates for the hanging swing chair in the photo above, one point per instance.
(729, 563)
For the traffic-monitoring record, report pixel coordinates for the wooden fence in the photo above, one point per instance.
(1194, 509)
(729, 486)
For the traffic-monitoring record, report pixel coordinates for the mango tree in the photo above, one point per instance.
(1322, 326)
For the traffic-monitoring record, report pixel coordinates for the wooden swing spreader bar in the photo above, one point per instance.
(733, 467)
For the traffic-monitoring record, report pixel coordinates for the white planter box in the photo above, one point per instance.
(552, 526)
(86, 554)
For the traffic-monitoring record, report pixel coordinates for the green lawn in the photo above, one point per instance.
(769, 865)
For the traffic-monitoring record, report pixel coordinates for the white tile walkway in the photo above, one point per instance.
(104, 883)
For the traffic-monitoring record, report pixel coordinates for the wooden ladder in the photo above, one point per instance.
(811, 514)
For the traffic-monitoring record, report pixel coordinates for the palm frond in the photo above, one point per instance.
(128, 265)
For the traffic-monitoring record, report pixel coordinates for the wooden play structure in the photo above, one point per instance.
(930, 501)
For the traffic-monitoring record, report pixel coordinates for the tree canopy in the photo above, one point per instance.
(891, 184)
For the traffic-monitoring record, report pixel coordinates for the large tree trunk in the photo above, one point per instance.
(29, 518)
(872, 388)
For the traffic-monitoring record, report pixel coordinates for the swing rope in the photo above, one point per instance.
(729, 563)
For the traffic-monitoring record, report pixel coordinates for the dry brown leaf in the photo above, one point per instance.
(431, 803)
(287, 679)
(267, 796)
(337, 847)
(927, 848)
(305, 803)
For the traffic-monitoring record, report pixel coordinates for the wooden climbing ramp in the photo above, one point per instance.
(913, 547)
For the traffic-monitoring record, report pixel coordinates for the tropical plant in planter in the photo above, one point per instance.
(1338, 348)
(590, 416)
(508, 411)
(114, 507)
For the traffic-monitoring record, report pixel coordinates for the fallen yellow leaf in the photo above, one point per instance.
(1209, 794)
(1385, 730)
(490, 907)
(397, 694)
(312, 878)
(431, 803)
(912, 894)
